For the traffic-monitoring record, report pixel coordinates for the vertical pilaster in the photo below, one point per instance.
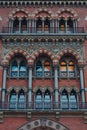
(42, 26)
(82, 84)
(56, 84)
(19, 25)
(4, 84)
(58, 26)
(65, 26)
(30, 86)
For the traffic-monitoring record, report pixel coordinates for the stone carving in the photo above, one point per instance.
(43, 122)
(58, 126)
(36, 123)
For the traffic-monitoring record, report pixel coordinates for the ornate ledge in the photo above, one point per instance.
(7, 3)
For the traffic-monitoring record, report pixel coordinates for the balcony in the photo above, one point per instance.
(36, 31)
(43, 106)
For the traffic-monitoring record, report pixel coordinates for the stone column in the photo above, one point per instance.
(9, 28)
(20, 26)
(57, 26)
(42, 26)
(51, 27)
(82, 84)
(76, 26)
(4, 84)
(27, 26)
(30, 87)
(56, 85)
(73, 26)
(33, 26)
(65, 26)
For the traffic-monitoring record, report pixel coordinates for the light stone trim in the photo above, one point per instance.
(43, 123)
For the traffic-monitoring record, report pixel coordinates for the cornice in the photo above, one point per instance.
(7, 3)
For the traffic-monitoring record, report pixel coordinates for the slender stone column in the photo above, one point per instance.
(42, 26)
(56, 84)
(74, 26)
(33, 26)
(82, 84)
(30, 86)
(19, 25)
(57, 26)
(9, 28)
(51, 27)
(65, 26)
(4, 84)
(27, 26)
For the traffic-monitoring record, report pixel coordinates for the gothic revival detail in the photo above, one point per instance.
(44, 124)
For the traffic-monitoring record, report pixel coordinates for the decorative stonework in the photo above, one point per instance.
(44, 123)
(1, 117)
(85, 117)
(28, 116)
(17, 89)
(43, 88)
(53, 49)
(68, 88)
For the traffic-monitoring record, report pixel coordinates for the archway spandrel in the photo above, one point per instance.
(43, 123)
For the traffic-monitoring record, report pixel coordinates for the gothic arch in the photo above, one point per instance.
(70, 12)
(72, 52)
(43, 88)
(14, 12)
(40, 11)
(17, 89)
(13, 53)
(43, 123)
(68, 88)
(43, 51)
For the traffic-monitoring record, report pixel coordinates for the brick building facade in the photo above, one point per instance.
(43, 65)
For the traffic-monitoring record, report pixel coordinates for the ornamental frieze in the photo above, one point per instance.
(31, 48)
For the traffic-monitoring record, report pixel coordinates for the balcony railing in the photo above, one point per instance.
(33, 30)
(43, 106)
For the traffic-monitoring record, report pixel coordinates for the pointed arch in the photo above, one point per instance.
(70, 13)
(71, 52)
(43, 51)
(40, 12)
(43, 123)
(24, 13)
(13, 53)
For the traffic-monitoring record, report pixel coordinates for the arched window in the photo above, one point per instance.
(64, 99)
(68, 67)
(62, 25)
(22, 69)
(14, 69)
(38, 100)
(24, 25)
(39, 25)
(43, 67)
(39, 69)
(21, 99)
(46, 25)
(18, 67)
(47, 68)
(47, 99)
(69, 25)
(73, 99)
(13, 100)
(16, 25)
